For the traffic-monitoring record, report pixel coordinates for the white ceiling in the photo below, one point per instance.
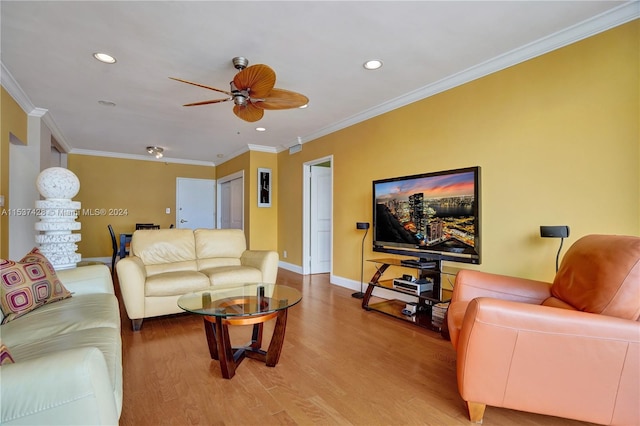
(316, 48)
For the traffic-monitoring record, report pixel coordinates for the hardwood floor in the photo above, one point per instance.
(339, 365)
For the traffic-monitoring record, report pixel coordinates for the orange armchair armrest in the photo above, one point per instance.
(471, 284)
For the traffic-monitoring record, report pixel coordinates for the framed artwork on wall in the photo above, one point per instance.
(264, 187)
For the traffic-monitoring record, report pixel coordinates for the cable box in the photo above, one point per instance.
(422, 264)
(413, 287)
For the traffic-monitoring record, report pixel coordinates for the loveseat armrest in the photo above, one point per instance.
(70, 387)
(132, 276)
(87, 279)
(264, 260)
(471, 284)
(585, 364)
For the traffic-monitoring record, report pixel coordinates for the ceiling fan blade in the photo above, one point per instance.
(259, 79)
(249, 112)
(212, 101)
(281, 99)
(201, 85)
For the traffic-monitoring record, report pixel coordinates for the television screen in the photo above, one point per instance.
(430, 216)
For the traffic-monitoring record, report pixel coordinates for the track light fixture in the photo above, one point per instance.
(156, 151)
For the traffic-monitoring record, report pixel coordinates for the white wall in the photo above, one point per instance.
(24, 167)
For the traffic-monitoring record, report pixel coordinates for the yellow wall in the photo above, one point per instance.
(12, 120)
(263, 220)
(130, 191)
(259, 223)
(557, 138)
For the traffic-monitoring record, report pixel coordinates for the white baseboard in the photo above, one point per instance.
(106, 260)
(290, 267)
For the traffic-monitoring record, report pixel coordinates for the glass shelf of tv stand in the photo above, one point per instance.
(424, 300)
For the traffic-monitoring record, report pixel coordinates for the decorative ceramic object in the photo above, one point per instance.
(58, 216)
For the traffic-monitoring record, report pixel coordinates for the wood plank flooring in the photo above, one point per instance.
(340, 365)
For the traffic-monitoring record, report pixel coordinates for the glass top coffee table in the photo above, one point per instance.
(246, 304)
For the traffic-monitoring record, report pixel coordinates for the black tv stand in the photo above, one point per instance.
(421, 263)
(425, 300)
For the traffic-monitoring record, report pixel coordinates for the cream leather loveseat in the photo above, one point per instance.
(67, 355)
(165, 264)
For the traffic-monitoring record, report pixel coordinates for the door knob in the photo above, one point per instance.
(183, 221)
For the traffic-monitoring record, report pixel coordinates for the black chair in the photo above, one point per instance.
(114, 244)
(146, 226)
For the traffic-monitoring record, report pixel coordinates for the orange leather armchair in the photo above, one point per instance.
(570, 349)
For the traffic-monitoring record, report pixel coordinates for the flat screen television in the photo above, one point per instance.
(430, 216)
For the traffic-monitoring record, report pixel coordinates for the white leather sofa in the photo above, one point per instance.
(164, 264)
(67, 357)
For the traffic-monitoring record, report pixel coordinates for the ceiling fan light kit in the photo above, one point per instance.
(252, 91)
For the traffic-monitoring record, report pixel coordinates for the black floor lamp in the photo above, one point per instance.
(365, 226)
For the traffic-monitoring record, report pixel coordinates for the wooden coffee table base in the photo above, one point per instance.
(217, 331)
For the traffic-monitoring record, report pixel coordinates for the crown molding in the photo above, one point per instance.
(140, 157)
(13, 88)
(262, 148)
(249, 147)
(590, 27)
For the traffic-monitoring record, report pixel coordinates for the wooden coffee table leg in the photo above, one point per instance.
(225, 351)
(210, 331)
(256, 336)
(275, 347)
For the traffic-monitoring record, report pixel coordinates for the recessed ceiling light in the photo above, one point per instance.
(107, 103)
(373, 64)
(260, 129)
(104, 57)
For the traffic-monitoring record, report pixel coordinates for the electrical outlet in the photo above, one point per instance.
(284, 254)
(167, 210)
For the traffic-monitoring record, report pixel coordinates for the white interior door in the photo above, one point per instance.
(195, 203)
(320, 220)
(231, 203)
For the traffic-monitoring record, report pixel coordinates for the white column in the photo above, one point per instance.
(58, 214)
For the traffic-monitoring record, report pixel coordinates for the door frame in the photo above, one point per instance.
(306, 213)
(220, 181)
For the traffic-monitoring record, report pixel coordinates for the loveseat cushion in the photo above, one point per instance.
(165, 250)
(219, 243)
(106, 339)
(174, 283)
(224, 275)
(86, 311)
(28, 284)
(70, 387)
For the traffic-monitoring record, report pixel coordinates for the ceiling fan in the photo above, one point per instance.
(252, 91)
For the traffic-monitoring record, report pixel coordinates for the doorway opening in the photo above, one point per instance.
(317, 211)
(231, 201)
